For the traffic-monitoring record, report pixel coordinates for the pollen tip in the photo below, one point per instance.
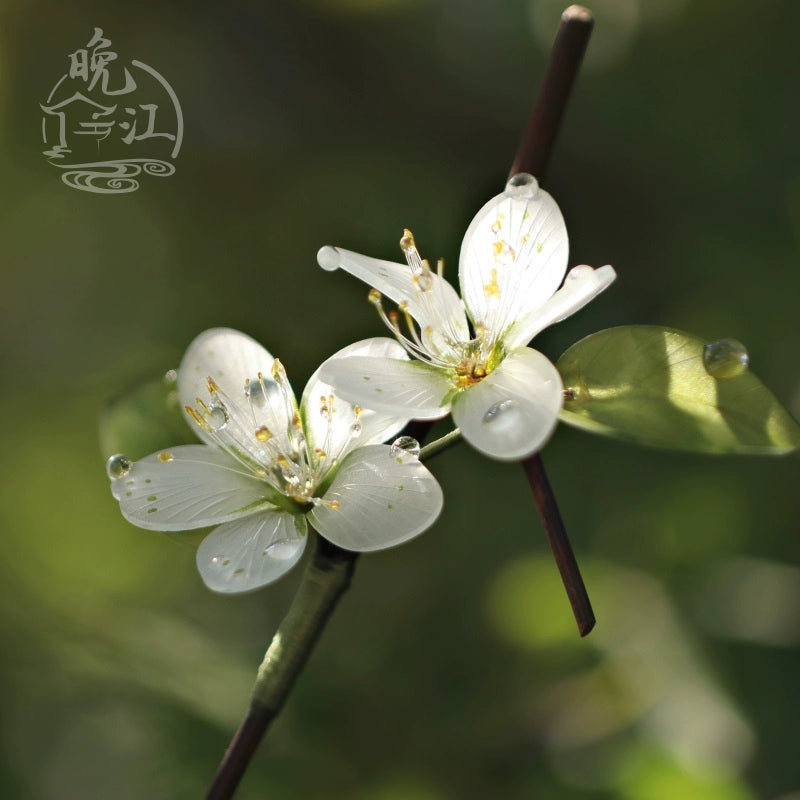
(328, 258)
(407, 240)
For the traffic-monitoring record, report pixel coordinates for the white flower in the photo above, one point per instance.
(505, 397)
(267, 467)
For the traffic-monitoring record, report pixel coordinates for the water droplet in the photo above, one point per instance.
(284, 549)
(424, 280)
(522, 185)
(725, 358)
(259, 391)
(170, 378)
(218, 562)
(405, 445)
(217, 417)
(503, 416)
(578, 274)
(118, 466)
(355, 430)
(328, 258)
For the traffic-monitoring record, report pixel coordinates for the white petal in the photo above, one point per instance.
(390, 386)
(510, 414)
(230, 358)
(581, 285)
(185, 487)
(384, 498)
(437, 309)
(513, 256)
(249, 553)
(338, 436)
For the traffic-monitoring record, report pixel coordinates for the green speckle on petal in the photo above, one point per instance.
(151, 498)
(238, 571)
(152, 510)
(400, 487)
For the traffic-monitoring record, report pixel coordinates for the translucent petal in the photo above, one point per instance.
(378, 499)
(250, 553)
(581, 285)
(390, 386)
(190, 486)
(437, 308)
(512, 413)
(513, 256)
(337, 436)
(233, 360)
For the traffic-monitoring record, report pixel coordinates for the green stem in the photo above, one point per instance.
(326, 578)
(440, 445)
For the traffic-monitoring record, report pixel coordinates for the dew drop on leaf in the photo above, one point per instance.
(725, 358)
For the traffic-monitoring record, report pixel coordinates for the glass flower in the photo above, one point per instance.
(268, 468)
(472, 357)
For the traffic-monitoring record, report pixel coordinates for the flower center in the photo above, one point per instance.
(263, 431)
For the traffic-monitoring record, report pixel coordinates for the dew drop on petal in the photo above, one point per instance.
(118, 466)
(328, 258)
(405, 445)
(217, 417)
(502, 416)
(284, 549)
(522, 185)
(424, 281)
(725, 358)
(217, 562)
(171, 378)
(355, 430)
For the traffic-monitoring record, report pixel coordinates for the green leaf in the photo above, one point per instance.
(648, 384)
(143, 420)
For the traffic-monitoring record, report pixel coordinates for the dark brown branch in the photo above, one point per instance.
(559, 543)
(537, 140)
(532, 156)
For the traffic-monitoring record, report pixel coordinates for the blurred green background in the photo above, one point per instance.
(452, 668)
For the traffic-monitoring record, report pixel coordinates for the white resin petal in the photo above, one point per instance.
(513, 256)
(582, 284)
(390, 386)
(437, 309)
(511, 414)
(344, 431)
(185, 487)
(230, 359)
(250, 553)
(379, 498)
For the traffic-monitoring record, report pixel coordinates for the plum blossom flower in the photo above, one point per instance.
(472, 357)
(267, 468)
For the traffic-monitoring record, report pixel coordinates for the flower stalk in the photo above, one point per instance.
(325, 580)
